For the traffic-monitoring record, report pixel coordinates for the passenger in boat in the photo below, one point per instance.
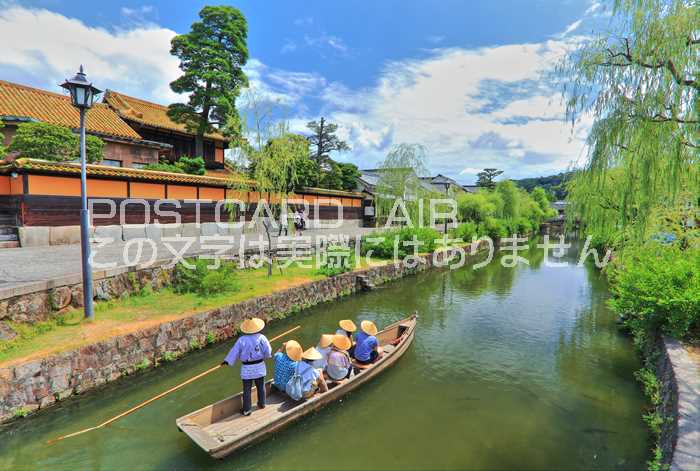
(251, 348)
(347, 327)
(324, 348)
(312, 379)
(367, 349)
(339, 366)
(286, 360)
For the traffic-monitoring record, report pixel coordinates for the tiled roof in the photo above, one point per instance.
(147, 113)
(25, 102)
(119, 172)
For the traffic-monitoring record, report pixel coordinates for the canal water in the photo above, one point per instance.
(511, 368)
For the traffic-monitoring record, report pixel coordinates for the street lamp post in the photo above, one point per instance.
(83, 95)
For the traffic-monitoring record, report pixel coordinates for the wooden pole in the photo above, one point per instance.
(155, 398)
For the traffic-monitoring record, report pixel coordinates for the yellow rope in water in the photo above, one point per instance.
(155, 398)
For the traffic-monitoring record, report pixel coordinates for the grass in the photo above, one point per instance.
(121, 316)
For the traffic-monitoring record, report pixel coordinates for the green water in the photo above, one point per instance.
(510, 369)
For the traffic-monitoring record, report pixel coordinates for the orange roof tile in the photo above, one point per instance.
(148, 113)
(22, 101)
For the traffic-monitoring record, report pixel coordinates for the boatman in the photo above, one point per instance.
(251, 348)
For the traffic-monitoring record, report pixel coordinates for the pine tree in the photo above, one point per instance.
(324, 141)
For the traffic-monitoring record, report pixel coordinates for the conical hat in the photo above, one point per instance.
(342, 342)
(326, 340)
(368, 327)
(293, 350)
(348, 325)
(252, 326)
(312, 354)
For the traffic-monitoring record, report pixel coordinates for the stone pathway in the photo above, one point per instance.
(30, 269)
(686, 369)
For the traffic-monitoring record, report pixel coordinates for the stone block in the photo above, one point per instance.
(190, 229)
(171, 230)
(34, 236)
(6, 332)
(29, 307)
(208, 229)
(60, 297)
(134, 231)
(108, 232)
(64, 235)
(154, 232)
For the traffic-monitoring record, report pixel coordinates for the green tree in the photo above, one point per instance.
(276, 167)
(46, 141)
(308, 173)
(398, 178)
(511, 199)
(191, 165)
(331, 175)
(324, 141)
(485, 178)
(212, 56)
(475, 207)
(349, 173)
(640, 82)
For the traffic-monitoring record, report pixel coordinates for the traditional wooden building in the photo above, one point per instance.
(151, 121)
(124, 147)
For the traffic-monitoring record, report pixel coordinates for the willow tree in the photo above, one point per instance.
(399, 179)
(640, 83)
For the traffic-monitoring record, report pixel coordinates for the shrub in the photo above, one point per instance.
(658, 289)
(425, 236)
(466, 231)
(191, 165)
(163, 167)
(338, 260)
(494, 228)
(203, 281)
(57, 143)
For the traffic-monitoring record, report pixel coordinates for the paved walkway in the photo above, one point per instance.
(25, 267)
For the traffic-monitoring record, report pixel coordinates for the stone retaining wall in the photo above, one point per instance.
(37, 384)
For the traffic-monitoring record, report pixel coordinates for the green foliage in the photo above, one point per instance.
(203, 281)
(494, 228)
(658, 288)
(398, 178)
(338, 260)
(308, 173)
(56, 143)
(195, 344)
(638, 80)
(485, 178)
(324, 141)
(163, 167)
(349, 173)
(144, 364)
(191, 165)
(212, 56)
(3, 149)
(466, 231)
(554, 186)
(211, 338)
(170, 356)
(477, 207)
(511, 199)
(21, 412)
(425, 236)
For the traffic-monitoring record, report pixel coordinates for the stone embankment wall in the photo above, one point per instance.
(37, 384)
(679, 374)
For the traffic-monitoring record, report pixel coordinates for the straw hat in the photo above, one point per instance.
(326, 340)
(348, 325)
(342, 342)
(312, 354)
(252, 326)
(368, 327)
(293, 350)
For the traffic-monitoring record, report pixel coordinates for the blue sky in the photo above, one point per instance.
(470, 80)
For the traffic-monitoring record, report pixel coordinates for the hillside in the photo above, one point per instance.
(553, 184)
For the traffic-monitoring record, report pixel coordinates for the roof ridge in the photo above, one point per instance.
(141, 100)
(40, 90)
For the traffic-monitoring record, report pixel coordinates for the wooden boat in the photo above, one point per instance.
(220, 428)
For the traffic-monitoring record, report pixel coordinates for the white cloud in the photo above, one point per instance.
(571, 28)
(49, 47)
